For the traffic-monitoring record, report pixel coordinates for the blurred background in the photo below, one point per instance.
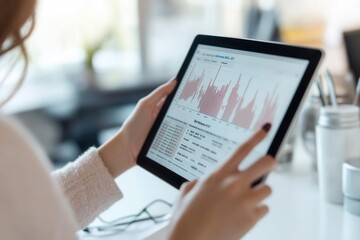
(91, 60)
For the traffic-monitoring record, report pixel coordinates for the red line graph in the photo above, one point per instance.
(234, 98)
(211, 98)
(191, 86)
(244, 115)
(210, 101)
(269, 109)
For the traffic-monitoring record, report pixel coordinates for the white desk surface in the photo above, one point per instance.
(296, 211)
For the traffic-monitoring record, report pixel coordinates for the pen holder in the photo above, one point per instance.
(337, 139)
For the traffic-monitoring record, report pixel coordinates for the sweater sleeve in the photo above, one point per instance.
(88, 186)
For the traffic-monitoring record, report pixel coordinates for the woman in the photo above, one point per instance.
(35, 204)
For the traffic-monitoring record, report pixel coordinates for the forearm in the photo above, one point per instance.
(88, 186)
(116, 155)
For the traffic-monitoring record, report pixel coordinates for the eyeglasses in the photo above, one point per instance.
(157, 211)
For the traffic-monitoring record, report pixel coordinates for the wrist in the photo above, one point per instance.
(183, 230)
(117, 155)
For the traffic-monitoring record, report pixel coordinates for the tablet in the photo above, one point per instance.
(227, 90)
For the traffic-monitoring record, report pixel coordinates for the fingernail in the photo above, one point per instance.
(267, 127)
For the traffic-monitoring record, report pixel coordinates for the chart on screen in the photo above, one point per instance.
(228, 95)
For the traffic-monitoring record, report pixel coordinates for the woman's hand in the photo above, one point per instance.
(224, 205)
(120, 152)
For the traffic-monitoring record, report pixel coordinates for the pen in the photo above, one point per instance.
(330, 83)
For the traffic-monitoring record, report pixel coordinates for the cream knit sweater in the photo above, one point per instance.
(37, 205)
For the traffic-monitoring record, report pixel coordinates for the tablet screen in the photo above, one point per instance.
(224, 97)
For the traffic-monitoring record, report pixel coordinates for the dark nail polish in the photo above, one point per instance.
(267, 127)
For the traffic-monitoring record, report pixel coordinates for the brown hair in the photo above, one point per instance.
(14, 15)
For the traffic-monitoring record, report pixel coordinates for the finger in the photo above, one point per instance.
(186, 187)
(160, 103)
(259, 193)
(160, 92)
(245, 149)
(259, 169)
(260, 211)
(158, 108)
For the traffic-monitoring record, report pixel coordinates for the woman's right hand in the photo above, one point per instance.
(224, 205)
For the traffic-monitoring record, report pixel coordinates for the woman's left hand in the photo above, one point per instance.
(120, 152)
(138, 125)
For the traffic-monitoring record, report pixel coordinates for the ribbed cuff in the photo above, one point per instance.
(88, 186)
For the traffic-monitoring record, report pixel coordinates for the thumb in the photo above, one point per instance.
(158, 108)
(186, 187)
(160, 92)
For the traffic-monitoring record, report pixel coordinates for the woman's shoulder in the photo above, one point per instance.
(15, 139)
(22, 165)
(20, 155)
(8, 127)
(28, 194)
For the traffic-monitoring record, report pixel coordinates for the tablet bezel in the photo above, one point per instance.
(314, 57)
